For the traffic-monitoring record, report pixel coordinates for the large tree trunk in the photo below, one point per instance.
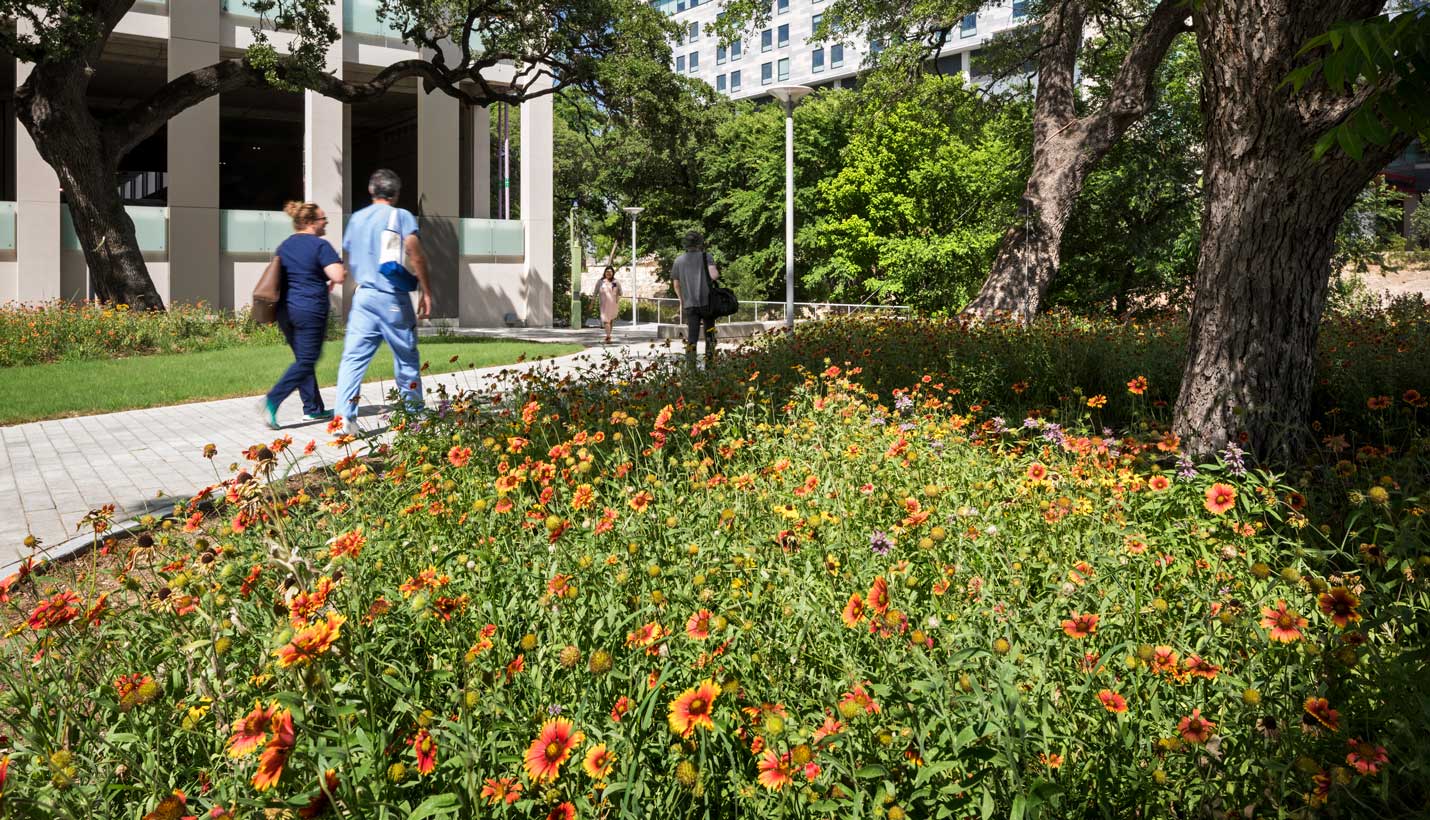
(1065, 149)
(53, 108)
(1268, 228)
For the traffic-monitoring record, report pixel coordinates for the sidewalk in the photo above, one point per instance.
(143, 461)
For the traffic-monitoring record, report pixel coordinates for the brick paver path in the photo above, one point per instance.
(53, 472)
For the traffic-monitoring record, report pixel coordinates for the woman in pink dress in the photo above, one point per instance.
(608, 290)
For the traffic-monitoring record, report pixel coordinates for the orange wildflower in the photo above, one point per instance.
(1320, 709)
(1137, 386)
(1194, 728)
(1366, 757)
(551, 748)
(502, 790)
(1285, 624)
(693, 708)
(854, 611)
(698, 627)
(311, 641)
(1080, 626)
(599, 762)
(251, 730)
(1220, 498)
(775, 771)
(1112, 702)
(1341, 604)
(424, 746)
(275, 754)
(879, 595)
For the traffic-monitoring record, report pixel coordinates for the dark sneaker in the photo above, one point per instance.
(321, 415)
(270, 414)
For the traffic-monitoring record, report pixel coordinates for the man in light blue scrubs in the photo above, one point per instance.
(381, 309)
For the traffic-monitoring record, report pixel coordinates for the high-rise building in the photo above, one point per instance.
(783, 52)
(206, 192)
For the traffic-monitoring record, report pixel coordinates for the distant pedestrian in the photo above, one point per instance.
(608, 290)
(691, 274)
(311, 268)
(387, 262)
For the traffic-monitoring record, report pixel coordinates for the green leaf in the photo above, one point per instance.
(871, 771)
(447, 801)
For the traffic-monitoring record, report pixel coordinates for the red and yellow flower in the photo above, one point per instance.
(599, 762)
(551, 748)
(1284, 624)
(424, 746)
(275, 754)
(311, 641)
(1194, 728)
(1112, 702)
(1341, 605)
(1220, 498)
(693, 708)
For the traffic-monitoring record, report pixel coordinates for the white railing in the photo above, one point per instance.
(666, 310)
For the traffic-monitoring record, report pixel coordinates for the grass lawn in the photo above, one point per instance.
(48, 391)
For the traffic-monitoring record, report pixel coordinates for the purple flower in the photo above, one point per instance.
(1232, 455)
(999, 426)
(1054, 433)
(1030, 423)
(906, 427)
(902, 402)
(554, 709)
(880, 543)
(1186, 470)
(876, 420)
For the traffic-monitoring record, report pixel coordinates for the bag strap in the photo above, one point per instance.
(392, 219)
(705, 261)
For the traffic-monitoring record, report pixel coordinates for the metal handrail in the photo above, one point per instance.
(666, 310)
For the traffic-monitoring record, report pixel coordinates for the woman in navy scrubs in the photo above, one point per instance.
(311, 268)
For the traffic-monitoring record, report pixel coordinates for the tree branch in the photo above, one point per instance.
(1134, 88)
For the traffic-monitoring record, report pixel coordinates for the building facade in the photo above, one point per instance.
(784, 52)
(206, 192)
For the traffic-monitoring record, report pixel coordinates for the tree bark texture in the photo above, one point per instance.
(1066, 147)
(1268, 226)
(53, 109)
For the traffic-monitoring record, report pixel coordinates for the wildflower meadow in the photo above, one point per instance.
(884, 569)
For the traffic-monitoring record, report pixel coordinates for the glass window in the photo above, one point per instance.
(680, 64)
(816, 60)
(735, 49)
(814, 23)
(694, 31)
(680, 37)
(734, 81)
(783, 69)
(720, 53)
(767, 40)
(694, 3)
(969, 26)
(782, 7)
(836, 55)
(680, 5)
(783, 39)
(767, 73)
(876, 46)
(720, 82)
(1020, 8)
(694, 61)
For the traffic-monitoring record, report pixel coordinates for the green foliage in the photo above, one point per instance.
(884, 595)
(926, 188)
(1386, 60)
(1134, 234)
(1370, 229)
(1420, 225)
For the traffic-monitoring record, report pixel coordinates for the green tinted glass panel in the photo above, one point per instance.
(360, 17)
(151, 226)
(7, 226)
(492, 237)
(253, 231)
(508, 238)
(69, 240)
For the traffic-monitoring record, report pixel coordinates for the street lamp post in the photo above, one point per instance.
(634, 211)
(789, 95)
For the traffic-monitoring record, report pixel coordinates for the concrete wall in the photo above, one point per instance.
(195, 267)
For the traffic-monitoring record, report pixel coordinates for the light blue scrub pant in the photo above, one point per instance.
(378, 316)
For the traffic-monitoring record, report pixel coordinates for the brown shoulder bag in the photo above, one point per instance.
(267, 293)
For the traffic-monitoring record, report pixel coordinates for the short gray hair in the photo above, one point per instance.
(694, 241)
(384, 184)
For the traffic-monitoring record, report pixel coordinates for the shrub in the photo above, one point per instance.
(774, 590)
(67, 331)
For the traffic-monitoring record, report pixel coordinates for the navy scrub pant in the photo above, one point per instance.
(304, 333)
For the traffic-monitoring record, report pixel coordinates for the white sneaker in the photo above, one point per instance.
(351, 428)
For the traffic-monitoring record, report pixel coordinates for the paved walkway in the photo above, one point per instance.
(53, 472)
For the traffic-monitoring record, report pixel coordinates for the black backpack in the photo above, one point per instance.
(722, 301)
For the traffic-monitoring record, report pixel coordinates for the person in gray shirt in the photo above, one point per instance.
(691, 275)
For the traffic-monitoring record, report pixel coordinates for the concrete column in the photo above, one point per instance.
(37, 220)
(536, 208)
(325, 149)
(193, 161)
(437, 194)
(482, 162)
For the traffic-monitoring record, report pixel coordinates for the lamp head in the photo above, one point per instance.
(790, 95)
